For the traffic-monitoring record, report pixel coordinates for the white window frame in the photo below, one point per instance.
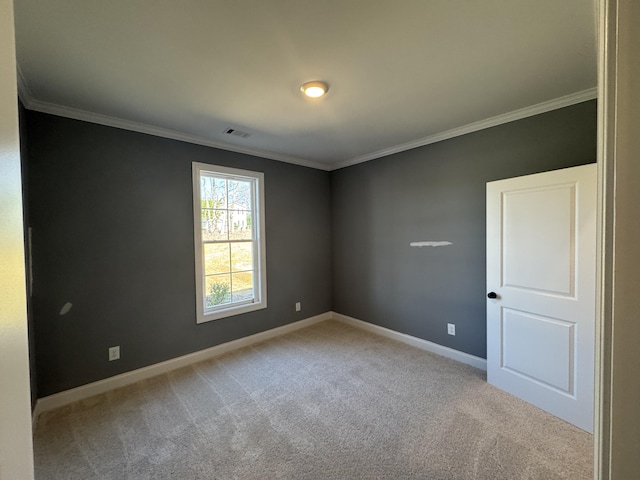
(259, 258)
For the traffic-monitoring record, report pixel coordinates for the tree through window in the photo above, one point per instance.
(229, 240)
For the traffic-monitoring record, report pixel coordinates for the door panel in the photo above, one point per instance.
(532, 222)
(541, 264)
(524, 335)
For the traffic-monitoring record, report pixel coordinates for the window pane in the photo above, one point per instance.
(241, 256)
(229, 255)
(240, 225)
(239, 195)
(242, 286)
(216, 258)
(215, 225)
(218, 290)
(213, 192)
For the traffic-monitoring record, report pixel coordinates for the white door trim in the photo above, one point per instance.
(617, 434)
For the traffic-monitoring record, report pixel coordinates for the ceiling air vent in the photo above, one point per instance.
(236, 133)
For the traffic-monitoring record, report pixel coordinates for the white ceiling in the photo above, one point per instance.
(402, 73)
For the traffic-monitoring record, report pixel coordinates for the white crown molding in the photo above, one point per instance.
(139, 127)
(24, 92)
(530, 111)
(32, 104)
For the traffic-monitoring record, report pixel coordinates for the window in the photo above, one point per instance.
(228, 207)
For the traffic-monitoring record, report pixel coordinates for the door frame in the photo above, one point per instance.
(606, 28)
(617, 422)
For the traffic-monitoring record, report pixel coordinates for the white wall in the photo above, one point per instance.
(16, 452)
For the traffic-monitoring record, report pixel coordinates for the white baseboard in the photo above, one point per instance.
(462, 357)
(85, 391)
(79, 393)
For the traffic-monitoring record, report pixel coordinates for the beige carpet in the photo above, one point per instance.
(326, 402)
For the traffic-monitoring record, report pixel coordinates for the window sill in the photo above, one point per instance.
(204, 317)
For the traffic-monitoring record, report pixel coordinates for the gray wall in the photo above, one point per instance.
(437, 192)
(112, 221)
(111, 212)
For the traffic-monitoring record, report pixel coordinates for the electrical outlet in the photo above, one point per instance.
(298, 306)
(451, 328)
(114, 353)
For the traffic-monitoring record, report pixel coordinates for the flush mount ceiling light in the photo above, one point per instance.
(314, 89)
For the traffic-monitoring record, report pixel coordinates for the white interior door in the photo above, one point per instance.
(541, 247)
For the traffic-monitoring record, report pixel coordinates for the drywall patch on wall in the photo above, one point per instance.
(430, 244)
(437, 192)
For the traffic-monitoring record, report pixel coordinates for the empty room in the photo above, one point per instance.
(282, 239)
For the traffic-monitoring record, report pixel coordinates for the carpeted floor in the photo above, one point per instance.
(326, 402)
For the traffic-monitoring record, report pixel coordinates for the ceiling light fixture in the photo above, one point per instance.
(314, 89)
